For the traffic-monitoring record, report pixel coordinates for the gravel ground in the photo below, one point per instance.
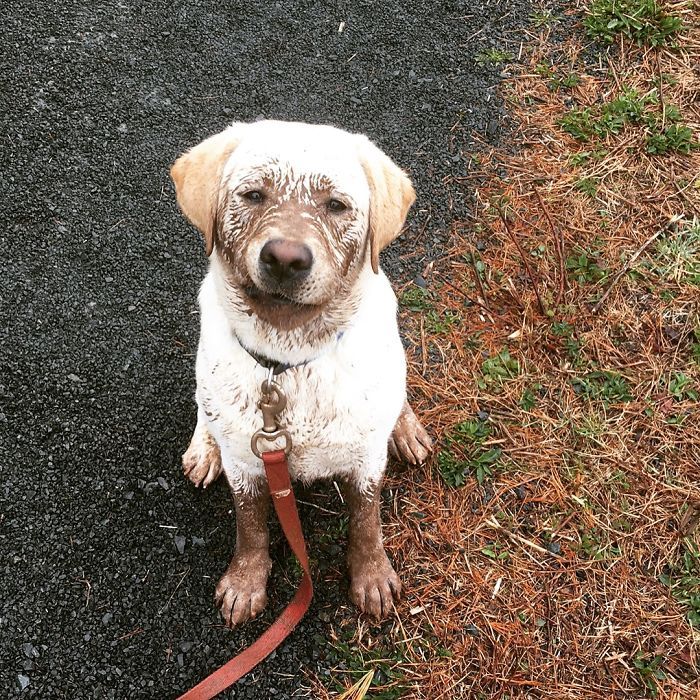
(108, 557)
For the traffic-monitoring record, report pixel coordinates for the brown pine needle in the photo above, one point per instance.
(359, 690)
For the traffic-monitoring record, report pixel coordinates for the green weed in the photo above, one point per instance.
(494, 57)
(465, 453)
(529, 398)
(673, 138)
(594, 547)
(679, 387)
(606, 386)
(587, 185)
(498, 368)
(436, 322)
(683, 579)
(629, 107)
(695, 346)
(649, 669)
(543, 18)
(641, 21)
(416, 298)
(496, 551)
(678, 255)
(579, 123)
(583, 265)
(384, 662)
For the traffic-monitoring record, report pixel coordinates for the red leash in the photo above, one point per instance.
(280, 485)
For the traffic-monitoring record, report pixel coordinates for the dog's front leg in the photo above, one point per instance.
(240, 594)
(374, 584)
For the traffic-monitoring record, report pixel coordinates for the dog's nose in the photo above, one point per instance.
(286, 260)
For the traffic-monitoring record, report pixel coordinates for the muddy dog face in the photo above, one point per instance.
(293, 212)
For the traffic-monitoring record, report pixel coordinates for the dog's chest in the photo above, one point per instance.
(339, 410)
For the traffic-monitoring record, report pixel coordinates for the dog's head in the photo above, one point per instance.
(293, 212)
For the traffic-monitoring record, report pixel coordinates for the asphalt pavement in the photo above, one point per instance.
(108, 556)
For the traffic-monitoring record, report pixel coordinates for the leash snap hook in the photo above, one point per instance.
(271, 404)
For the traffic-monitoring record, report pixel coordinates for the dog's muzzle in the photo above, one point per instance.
(284, 263)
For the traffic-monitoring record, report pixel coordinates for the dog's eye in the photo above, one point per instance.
(335, 205)
(254, 196)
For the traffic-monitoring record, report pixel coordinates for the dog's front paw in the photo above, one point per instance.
(374, 585)
(240, 594)
(202, 461)
(410, 441)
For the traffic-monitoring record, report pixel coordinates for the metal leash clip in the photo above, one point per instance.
(271, 404)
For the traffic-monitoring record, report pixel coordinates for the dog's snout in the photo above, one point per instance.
(286, 260)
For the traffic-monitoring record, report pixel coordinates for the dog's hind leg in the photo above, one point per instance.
(410, 441)
(202, 460)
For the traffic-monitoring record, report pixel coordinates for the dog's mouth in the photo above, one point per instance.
(278, 309)
(272, 300)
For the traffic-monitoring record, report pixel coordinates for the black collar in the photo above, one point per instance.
(278, 367)
(267, 363)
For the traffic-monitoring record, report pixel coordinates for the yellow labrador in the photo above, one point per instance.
(294, 217)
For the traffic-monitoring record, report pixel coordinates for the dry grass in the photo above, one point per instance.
(568, 572)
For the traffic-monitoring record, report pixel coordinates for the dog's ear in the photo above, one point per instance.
(391, 195)
(197, 178)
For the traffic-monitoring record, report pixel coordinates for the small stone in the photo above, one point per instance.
(163, 483)
(23, 681)
(185, 646)
(74, 378)
(180, 544)
(197, 541)
(420, 282)
(554, 548)
(107, 618)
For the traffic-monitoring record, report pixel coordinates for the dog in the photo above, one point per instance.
(294, 217)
